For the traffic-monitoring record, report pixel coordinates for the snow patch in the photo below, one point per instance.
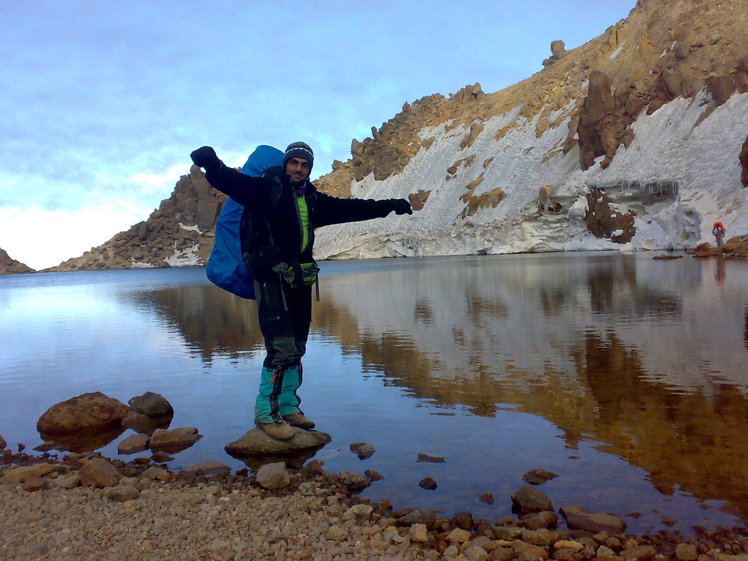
(699, 158)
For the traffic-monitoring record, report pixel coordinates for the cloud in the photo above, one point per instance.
(44, 238)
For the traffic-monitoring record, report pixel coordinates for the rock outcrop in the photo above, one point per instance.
(9, 266)
(179, 232)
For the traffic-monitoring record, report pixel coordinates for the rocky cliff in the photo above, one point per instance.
(9, 266)
(635, 140)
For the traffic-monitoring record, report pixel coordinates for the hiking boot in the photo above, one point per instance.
(279, 430)
(299, 420)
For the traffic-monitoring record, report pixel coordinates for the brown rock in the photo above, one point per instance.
(22, 473)
(99, 472)
(3, 444)
(528, 551)
(639, 553)
(373, 475)
(743, 158)
(486, 498)
(34, 483)
(538, 476)
(88, 412)
(207, 468)
(362, 450)
(122, 493)
(686, 552)
(538, 520)
(132, 444)
(428, 483)
(720, 88)
(151, 404)
(604, 222)
(577, 518)
(174, 440)
(256, 443)
(430, 459)
(528, 500)
(8, 265)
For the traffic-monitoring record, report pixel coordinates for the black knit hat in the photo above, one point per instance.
(299, 150)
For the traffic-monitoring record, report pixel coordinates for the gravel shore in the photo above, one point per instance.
(152, 514)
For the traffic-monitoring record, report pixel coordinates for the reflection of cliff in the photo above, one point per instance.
(617, 349)
(571, 340)
(211, 321)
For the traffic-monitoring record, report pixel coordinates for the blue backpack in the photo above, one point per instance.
(226, 267)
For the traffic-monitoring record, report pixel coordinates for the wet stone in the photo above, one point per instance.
(538, 476)
(428, 483)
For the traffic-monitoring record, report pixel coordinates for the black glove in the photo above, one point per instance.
(401, 206)
(205, 157)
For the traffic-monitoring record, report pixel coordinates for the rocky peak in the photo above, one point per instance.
(179, 232)
(9, 266)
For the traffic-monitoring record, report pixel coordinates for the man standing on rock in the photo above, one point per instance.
(284, 208)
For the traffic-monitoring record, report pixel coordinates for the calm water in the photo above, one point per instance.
(623, 374)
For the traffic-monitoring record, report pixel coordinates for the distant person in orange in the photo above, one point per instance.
(719, 233)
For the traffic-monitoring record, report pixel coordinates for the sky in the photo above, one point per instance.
(103, 101)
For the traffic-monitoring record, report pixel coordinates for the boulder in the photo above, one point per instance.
(577, 518)
(528, 500)
(256, 443)
(151, 405)
(88, 413)
(3, 444)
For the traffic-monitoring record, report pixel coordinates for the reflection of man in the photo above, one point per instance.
(718, 231)
(719, 271)
(284, 208)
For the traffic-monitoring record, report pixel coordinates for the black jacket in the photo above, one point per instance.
(272, 229)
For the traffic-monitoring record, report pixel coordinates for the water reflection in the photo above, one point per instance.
(211, 321)
(637, 358)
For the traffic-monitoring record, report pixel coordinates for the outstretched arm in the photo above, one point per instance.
(242, 188)
(331, 210)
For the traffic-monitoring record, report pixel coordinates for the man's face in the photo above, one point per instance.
(297, 169)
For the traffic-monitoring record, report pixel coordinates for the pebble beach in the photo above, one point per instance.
(54, 510)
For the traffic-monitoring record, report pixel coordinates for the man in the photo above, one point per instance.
(283, 209)
(718, 231)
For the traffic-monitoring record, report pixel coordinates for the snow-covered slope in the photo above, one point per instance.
(683, 141)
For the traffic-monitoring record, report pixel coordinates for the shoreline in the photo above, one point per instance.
(144, 511)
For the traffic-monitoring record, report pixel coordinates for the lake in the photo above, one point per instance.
(624, 375)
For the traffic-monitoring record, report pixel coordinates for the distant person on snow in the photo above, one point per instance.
(284, 209)
(719, 233)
